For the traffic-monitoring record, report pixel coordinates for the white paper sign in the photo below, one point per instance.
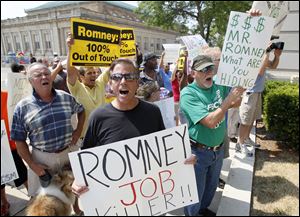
(8, 167)
(166, 107)
(245, 42)
(276, 9)
(171, 52)
(18, 88)
(193, 43)
(143, 176)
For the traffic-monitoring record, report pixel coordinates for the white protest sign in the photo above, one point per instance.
(245, 42)
(171, 52)
(193, 43)
(143, 176)
(8, 167)
(166, 107)
(18, 88)
(276, 9)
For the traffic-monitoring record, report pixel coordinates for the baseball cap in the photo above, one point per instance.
(56, 59)
(148, 57)
(201, 61)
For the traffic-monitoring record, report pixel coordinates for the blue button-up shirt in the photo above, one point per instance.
(47, 125)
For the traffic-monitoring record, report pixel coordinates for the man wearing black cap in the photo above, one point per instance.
(150, 72)
(204, 104)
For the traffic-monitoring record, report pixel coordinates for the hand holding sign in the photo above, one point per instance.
(138, 176)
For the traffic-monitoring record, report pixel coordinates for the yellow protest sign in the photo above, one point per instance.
(96, 44)
(127, 43)
(181, 63)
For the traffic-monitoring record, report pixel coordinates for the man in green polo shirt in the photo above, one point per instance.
(204, 104)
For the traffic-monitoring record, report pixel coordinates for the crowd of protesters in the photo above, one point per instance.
(69, 110)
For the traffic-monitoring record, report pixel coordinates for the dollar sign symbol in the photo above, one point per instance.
(247, 23)
(260, 26)
(235, 20)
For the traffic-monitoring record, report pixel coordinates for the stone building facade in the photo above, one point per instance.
(44, 30)
(288, 68)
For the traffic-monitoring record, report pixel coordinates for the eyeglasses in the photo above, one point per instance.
(39, 75)
(128, 77)
(207, 69)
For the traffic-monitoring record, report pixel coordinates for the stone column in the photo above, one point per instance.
(55, 39)
(30, 41)
(21, 41)
(42, 42)
(4, 50)
(13, 47)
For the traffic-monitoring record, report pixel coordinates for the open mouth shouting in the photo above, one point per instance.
(123, 92)
(45, 83)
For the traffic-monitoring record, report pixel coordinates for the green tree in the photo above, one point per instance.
(207, 18)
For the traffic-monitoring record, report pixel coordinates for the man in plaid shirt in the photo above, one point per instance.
(45, 119)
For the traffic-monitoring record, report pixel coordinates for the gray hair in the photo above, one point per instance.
(29, 72)
(123, 61)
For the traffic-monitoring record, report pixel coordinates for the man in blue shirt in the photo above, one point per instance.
(251, 105)
(166, 74)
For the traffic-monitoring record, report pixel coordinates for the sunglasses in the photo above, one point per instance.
(207, 69)
(128, 77)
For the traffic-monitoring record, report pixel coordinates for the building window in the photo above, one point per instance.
(18, 46)
(47, 41)
(26, 43)
(17, 42)
(158, 45)
(9, 48)
(27, 46)
(139, 40)
(146, 44)
(36, 42)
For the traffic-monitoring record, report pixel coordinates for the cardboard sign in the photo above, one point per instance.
(18, 88)
(166, 107)
(171, 53)
(245, 42)
(95, 44)
(8, 167)
(276, 9)
(128, 48)
(143, 176)
(193, 43)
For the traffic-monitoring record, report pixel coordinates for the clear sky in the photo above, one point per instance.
(12, 9)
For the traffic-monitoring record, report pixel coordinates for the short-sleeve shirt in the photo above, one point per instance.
(90, 98)
(197, 103)
(144, 78)
(259, 84)
(166, 79)
(108, 124)
(176, 91)
(47, 125)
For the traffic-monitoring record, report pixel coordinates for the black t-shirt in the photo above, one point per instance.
(108, 124)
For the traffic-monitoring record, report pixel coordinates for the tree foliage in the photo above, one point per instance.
(207, 18)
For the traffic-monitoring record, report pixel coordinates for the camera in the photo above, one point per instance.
(45, 179)
(276, 45)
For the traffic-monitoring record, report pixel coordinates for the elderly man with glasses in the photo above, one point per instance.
(45, 119)
(204, 104)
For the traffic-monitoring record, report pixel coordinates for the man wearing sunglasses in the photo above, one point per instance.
(125, 117)
(204, 104)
